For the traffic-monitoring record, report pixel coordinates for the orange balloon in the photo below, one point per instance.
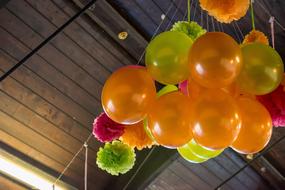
(128, 94)
(195, 90)
(169, 120)
(256, 128)
(215, 60)
(216, 120)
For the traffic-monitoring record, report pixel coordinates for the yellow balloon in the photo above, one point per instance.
(188, 155)
(262, 71)
(215, 60)
(167, 57)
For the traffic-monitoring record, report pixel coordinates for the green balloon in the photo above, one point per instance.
(167, 57)
(167, 89)
(147, 130)
(188, 155)
(262, 70)
(201, 151)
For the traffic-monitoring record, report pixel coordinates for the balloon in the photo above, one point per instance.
(215, 119)
(128, 94)
(262, 71)
(167, 89)
(147, 130)
(256, 128)
(201, 151)
(215, 60)
(169, 120)
(167, 57)
(188, 155)
(195, 90)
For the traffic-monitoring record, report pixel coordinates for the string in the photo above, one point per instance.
(207, 22)
(195, 10)
(202, 18)
(71, 161)
(271, 21)
(236, 33)
(251, 161)
(139, 168)
(157, 29)
(186, 11)
(241, 33)
(189, 9)
(252, 14)
(268, 13)
(47, 40)
(174, 14)
(85, 165)
(214, 28)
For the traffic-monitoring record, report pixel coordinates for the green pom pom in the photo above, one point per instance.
(191, 29)
(116, 158)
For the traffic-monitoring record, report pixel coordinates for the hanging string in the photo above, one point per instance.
(236, 33)
(268, 13)
(156, 30)
(213, 25)
(186, 11)
(207, 22)
(139, 168)
(271, 21)
(202, 19)
(174, 14)
(85, 165)
(189, 9)
(252, 14)
(241, 33)
(71, 161)
(195, 10)
(251, 161)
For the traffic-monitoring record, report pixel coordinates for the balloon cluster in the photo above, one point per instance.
(215, 107)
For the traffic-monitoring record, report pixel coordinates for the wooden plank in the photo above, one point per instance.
(249, 170)
(30, 38)
(57, 117)
(9, 184)
(188, 176)
(231, 168)
(41, 126)
(53, 77)
(45, 160)
(113, 23)
(47, 92)
(38, 142)
(221, 173)
(58, 11)
(173, 181)
(203, 173)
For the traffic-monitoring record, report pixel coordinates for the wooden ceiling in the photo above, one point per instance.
(48, 105)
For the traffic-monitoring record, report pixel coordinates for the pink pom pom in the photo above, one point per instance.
(275, 104)
(183, 87)
(105, 129)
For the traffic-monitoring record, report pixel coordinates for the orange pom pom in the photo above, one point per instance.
(225, 10)
(256, 36)
(136, 137)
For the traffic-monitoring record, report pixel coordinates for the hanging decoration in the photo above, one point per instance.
(256, 36)
(136, 137)
(275, 104)
(192, 29)
(116, 158)
(225, 10)
(229, 95)
(105, 129)
(263, 69)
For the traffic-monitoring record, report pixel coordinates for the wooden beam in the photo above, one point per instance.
(113, 23)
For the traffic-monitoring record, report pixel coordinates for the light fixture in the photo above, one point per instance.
(28, 174)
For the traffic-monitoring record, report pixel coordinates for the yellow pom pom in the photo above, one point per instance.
(136, 137)
(225, 10)
(255, 36)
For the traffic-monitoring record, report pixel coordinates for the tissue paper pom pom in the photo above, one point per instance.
(136, 137)
(191, 29)
(105, 129)
(225, 10)
(275, 104)
(116, 158)
(255, 36)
